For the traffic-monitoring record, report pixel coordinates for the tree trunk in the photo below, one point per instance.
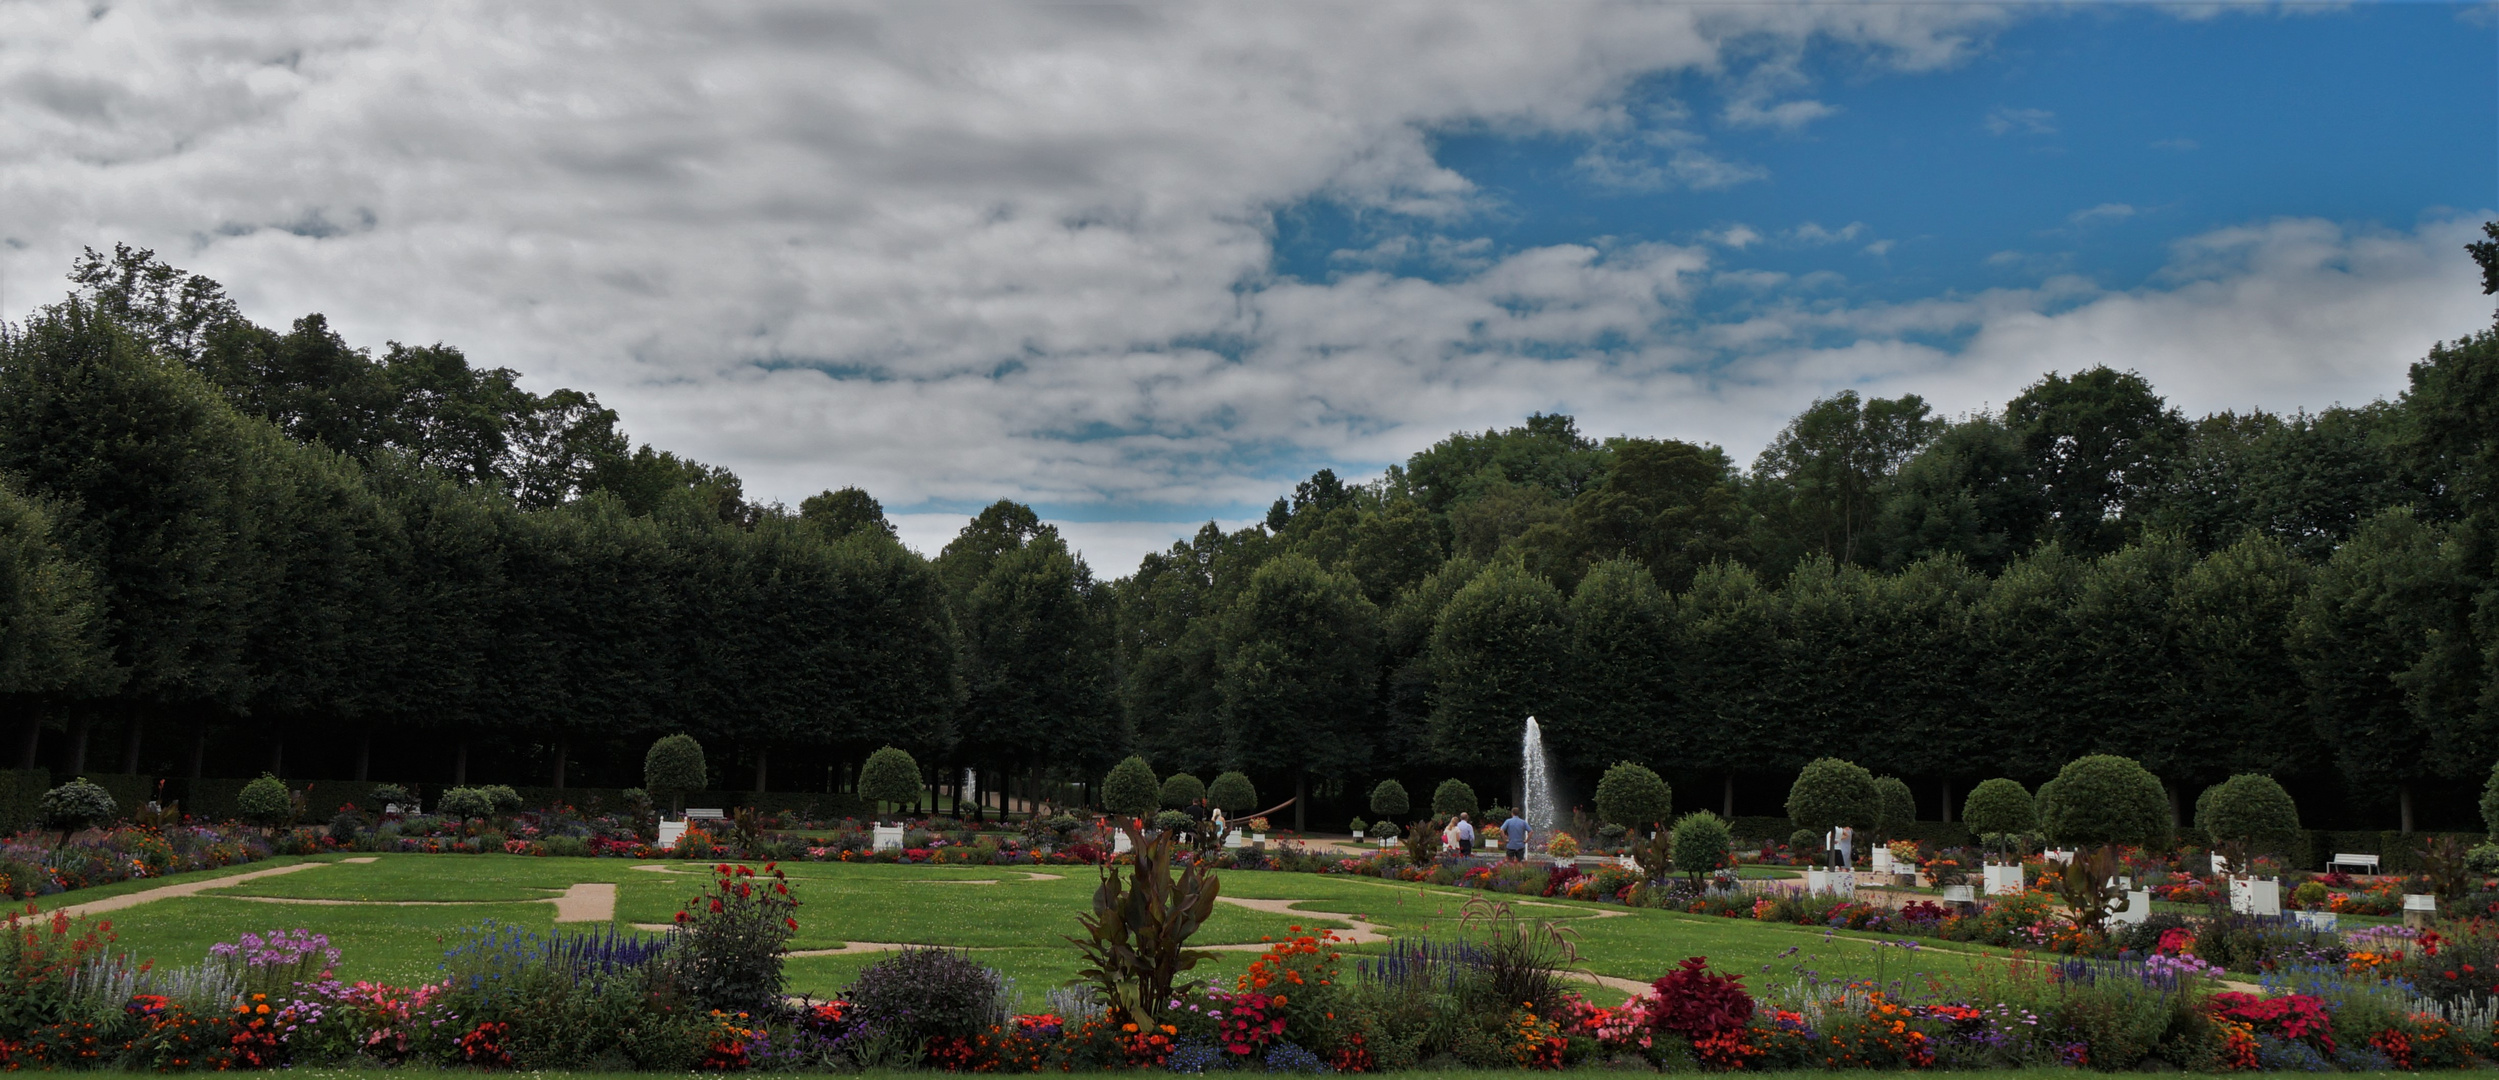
(1944, 799)
(78, 746)
(460, 765)
(1301, 798)
(33, 743)
(1726, 796)
(763, 763)
(277, 755)
(364, 758)
(2170, 788)
(130, 743)
(199, 749)
(2403, 802)
(563, 751)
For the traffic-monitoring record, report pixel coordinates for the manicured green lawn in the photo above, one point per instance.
(1012, 918)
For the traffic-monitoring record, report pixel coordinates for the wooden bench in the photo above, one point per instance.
(2370, 862)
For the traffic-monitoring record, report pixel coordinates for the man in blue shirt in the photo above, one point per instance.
(1514, 832)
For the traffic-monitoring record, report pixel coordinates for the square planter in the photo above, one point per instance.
(2420, 909)
(2256, 896)
(1960, 894)
(2003, 880)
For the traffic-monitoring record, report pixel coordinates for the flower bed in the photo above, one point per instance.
(37, 864)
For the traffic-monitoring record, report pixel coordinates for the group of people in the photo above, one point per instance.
(1459, 837)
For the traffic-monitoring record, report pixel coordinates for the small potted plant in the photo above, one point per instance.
(1563, 848)
(1357, 829)
(1258, 830)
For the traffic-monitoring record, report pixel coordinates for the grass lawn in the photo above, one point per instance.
(1013, 919)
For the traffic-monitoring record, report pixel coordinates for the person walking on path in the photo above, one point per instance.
(1514, 837)
(1466, 836)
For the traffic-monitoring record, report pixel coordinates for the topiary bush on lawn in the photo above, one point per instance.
(890, 776)
(1898, 808)
(920, 994)
(1131, 790)
(1454, 797)
(2104, 799)
(1829, 793)
(1182, 790)
(1233, 794)
(264, 802)
(503, 798)
(79, 804)
(1702, 841)
(2246, 815)
(465, 803)
(1389, 799)
(2000, 806)
(674, 768)
(1634, 796)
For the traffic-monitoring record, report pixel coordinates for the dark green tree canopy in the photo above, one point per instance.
(1899, 806)
(1454, 797)
(1829, 792)
(2249, 812)
(2000, 806)
(1182, 789)
(2104, 799)
(1388, 800)
(890, 776)
(674, 767)
(1233, 794)
(1130, 789)
(1634, 796)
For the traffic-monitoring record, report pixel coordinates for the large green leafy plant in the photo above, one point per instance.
(1136, 936)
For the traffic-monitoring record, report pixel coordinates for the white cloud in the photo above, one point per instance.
(1786, 115)
(2102, 212)
(1738, 236)
(1815, 234)
(2006, 120)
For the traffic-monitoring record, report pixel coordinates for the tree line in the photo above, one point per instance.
(240, 537)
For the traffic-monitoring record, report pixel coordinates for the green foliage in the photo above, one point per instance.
(890, 776)
(1829, 792)
(2490, 803)
(1182, 789)
(2248, 814)
(265, 802)
(1899, 806)
(1701, 844)
(1136, 936)
(76, 805)
(730, 938)
(916, 995)
(2104, 799)
(1172, 820)
(1233, 794)
(1454, 797)
(381, 795)
(466, 803)
(1388, 800)
(2000, 806)
(1497, 655)
(1130, 789)
(1634, 796)
(674, 767)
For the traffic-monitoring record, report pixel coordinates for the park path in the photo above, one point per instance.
(187, 888)
(591, 901)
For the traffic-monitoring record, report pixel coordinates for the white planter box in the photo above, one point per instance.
(1357, 836)
(1960, 894)
(2420, 909)
(1882, 857)
(669, 833)
(1119, 842)
(2256, 896)
(2138, 909)
(886, 838)
(1235, 841)
(1258, 838)
(2317, 920)
(1565, 860)
(1831, 882)
(2003, 880)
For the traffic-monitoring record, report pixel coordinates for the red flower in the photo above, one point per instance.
(716, 907)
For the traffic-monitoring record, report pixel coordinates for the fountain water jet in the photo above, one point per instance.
(1538, 805)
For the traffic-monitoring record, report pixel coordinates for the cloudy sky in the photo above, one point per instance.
(1142, 266)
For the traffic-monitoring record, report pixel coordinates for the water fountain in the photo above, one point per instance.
(1538, 805)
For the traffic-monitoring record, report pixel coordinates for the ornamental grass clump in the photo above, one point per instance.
(728, 939)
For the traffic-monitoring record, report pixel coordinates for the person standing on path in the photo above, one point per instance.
(1843, 841)
(1466, 836)
(1514, 837)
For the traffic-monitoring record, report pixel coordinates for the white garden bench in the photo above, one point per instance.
(714, 814)
(2368, 862)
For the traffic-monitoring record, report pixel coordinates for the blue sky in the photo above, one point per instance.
(1145, 266)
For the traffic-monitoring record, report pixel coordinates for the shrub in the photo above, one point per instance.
(2000, 806)
(264, 802)
(1700, 845)
(1696, 1003)
(1804, 841)
(1357, 826)
(2248, 814)
(465, 803)
(2105, 799)
(1829, 792)
(1454, 797)
(1389, 800)
(1131, 790)
(503, 798)
(1634, 796)
(729, 940)
(920, 994)
(674, 768)
(1897, 808)
(1182, 790)
(389, 795)
(76, 805)
(1233, 794)
(2490, 803)
(890, 776)
(1173, 820)
(1383, 829)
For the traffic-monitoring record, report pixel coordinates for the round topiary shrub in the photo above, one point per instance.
(1383, 829)
(1131, 790)
(674, 768)
(1233, 794)
(505, 800)
(2000, 807)
(1829, 793)
(2104, 799)
(1454, 797)
(1173, 821)
(79, 804)
(1389, 799)
(1898, 808)
(1701, 843)
(1634, 796)
(890, 776)
(2248, 814)
(1804, 842)
(382, 795)
(264, 802)
(1182, 790)
(921, 994)
(466, 803)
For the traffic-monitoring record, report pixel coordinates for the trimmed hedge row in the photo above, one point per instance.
(213, 799)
